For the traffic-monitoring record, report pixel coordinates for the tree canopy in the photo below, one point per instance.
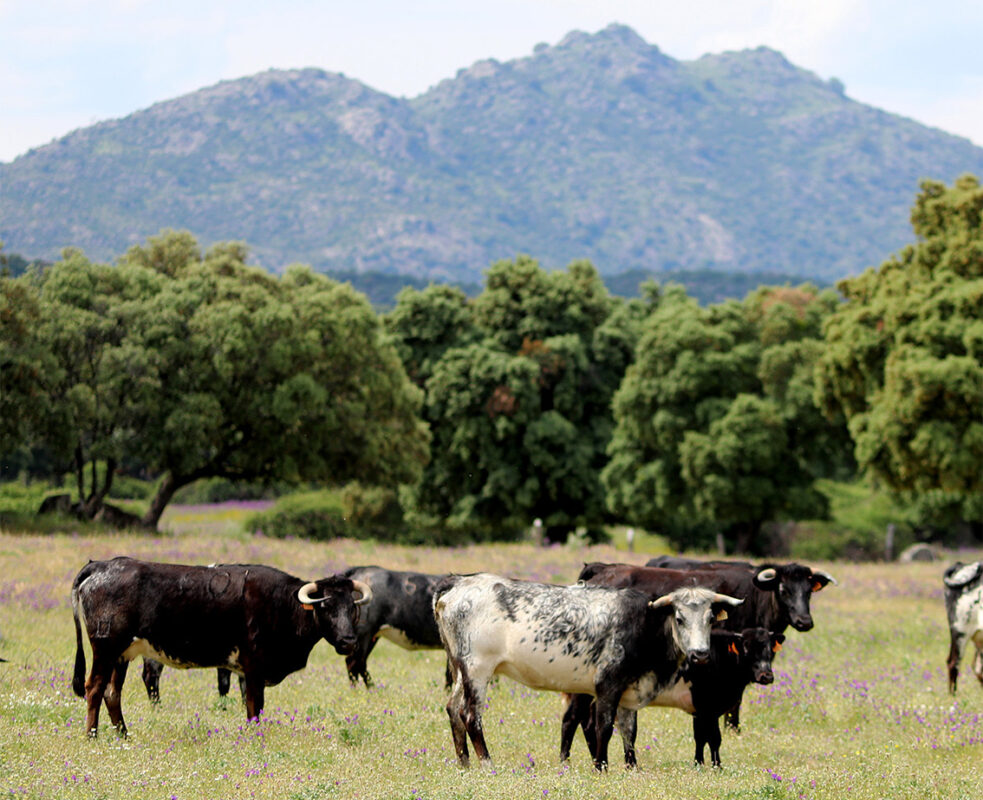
(200, 366)
(903, 361)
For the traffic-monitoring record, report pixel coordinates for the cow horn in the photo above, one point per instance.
(366, 591)
(304, 595)
(725, 598)
(827, 576)
(767, 575)
(665, 600)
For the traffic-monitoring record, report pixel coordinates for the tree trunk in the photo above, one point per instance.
(80, 474)
(96, 497)
(169, 484)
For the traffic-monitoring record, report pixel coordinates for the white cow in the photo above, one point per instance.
(615, 644)
(964, 607)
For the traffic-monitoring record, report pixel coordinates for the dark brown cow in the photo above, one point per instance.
(254, 620)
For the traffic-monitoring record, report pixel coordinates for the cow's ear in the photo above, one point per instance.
(820, 579)
(766, 579)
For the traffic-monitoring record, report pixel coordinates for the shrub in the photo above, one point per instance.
(373, 512)
(308, 515)
(220, 490)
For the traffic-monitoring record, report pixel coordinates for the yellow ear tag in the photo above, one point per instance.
(776, 647)
(308, 607)
(721, 615)
(732, 648)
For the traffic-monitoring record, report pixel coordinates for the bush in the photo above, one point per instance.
(860, 516)
(221, 490)
(373, 512)
(309, 515)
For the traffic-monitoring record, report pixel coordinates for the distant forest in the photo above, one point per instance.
(706, 286)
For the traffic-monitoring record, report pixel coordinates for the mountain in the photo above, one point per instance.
(599, 147)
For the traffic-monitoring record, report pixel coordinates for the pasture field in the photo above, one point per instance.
(859, 709)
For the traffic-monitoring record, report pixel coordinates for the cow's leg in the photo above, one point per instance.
(474, 699)
(955, 654)
(605, 708)
(713, 739)
(255, 687)
(978, 664)
(95, 690)
(455, 712)
(628, 725)
(732, 719)
(151, 678)
(576, 714)
(699, 737)
(224, 678)
(357, 661)
(113, 697)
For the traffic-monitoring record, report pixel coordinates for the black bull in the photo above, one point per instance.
(255, 620)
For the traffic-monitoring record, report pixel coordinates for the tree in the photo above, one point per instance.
(519, 407)
(22, 361)
(711, 416)
(904, 359)
(259, 378)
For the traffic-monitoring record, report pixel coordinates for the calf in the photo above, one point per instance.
(254, 620)
(704, 690)
(618, 645)
(964, 608)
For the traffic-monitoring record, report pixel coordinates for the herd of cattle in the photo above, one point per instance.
(679, 633)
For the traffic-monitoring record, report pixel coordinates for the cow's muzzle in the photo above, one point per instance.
(764, 676)
(346, 646)
(802, 623)
(699, 656)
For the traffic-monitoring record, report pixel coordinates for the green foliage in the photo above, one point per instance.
(374, 511)
(716, 429)
(220, 490)
(857, 524)
(309, 515)
(904, 365)
(519, 399)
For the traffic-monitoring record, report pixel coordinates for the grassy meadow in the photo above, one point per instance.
(859, 709)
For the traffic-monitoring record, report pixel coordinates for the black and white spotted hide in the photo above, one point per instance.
(964, 608)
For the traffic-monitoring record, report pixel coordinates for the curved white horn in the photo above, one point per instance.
(304, 594)
(366, 591)
(827, 576)
(665, 600)
(725, 598)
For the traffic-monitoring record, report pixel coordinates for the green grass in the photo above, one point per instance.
(859, 708)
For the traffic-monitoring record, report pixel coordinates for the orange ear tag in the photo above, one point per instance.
(817, 586)
(776, 647)
(732, 648)
(307, 607)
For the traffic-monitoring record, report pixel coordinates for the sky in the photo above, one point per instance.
(67, 64)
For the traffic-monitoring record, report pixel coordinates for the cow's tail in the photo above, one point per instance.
(78, 677)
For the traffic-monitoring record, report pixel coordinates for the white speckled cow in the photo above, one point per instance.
(616, 644)
(964, 607)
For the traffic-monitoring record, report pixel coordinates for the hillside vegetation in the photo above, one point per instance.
(600, 147)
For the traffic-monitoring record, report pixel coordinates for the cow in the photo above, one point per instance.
(964, 608)
(777, 595)
(618, 645)
(401, 611)
(705, 691)
(252, 619)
